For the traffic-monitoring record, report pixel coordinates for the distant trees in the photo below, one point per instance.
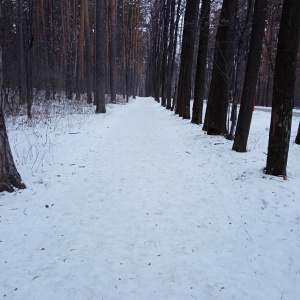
(87, 49)
(162, 53)
(51, 46)
(92, 47)
(154, 72)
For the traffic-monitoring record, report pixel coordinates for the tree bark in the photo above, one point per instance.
(100, 61)
(297, 140)
(87, 38)
(218, 99)
(112, 54)
(251, 75)
(187, 53)
(283, 90)
(9, 176)
(174, 55)
(201, 63)
(69, 31)
(169, 72)
(28, 57)
(166, 17)
(21, 55)
(240, 60)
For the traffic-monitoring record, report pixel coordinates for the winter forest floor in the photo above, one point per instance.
(140, 204)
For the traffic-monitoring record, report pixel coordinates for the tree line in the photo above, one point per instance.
(230, 52)
(54, 46)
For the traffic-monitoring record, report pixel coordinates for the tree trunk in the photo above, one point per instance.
(112, 54)
(9, 176)
(28, 57)
(45, 12)
(100, 63)
(238, 73)
(201, 63)
(80, 54)
(157, 56)
(251, 75)
(187, 53)
(21, 55)
(283, 90)
(297, 140)
(166, 16)
(217, 105)
(174, 103)
(70, 32)
(169, 72)
(88, 70)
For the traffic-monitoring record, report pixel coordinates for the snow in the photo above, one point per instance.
(140, 204)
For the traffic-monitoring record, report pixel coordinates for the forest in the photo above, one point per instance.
(149, 149)
(228, 52)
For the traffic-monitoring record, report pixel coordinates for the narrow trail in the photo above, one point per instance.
(143, 205)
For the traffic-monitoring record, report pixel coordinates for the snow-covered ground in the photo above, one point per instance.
(140, 204)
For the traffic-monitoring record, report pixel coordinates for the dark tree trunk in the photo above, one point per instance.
(239, 68)
(217, 105)
(51, 51)
(112, 54)
(201, 63)
(169, 72)
(187, 53)
(87, 38)
(166, 15)
(157, 48)
(69, 69)
(100, 61)
(297, 140)
(78, 77)
(9, 176)
(47, 46)
(28, 57)
(251, 75)
(283, 90)
(80, 54)
(70, 32)
(174, 56)
(21, 55)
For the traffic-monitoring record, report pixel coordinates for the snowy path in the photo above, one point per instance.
(143, 205)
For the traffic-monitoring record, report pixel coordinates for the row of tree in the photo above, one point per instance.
(254, 59)
(74, 47)
(54, 46)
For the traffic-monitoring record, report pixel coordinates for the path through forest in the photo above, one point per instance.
(140, 204)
